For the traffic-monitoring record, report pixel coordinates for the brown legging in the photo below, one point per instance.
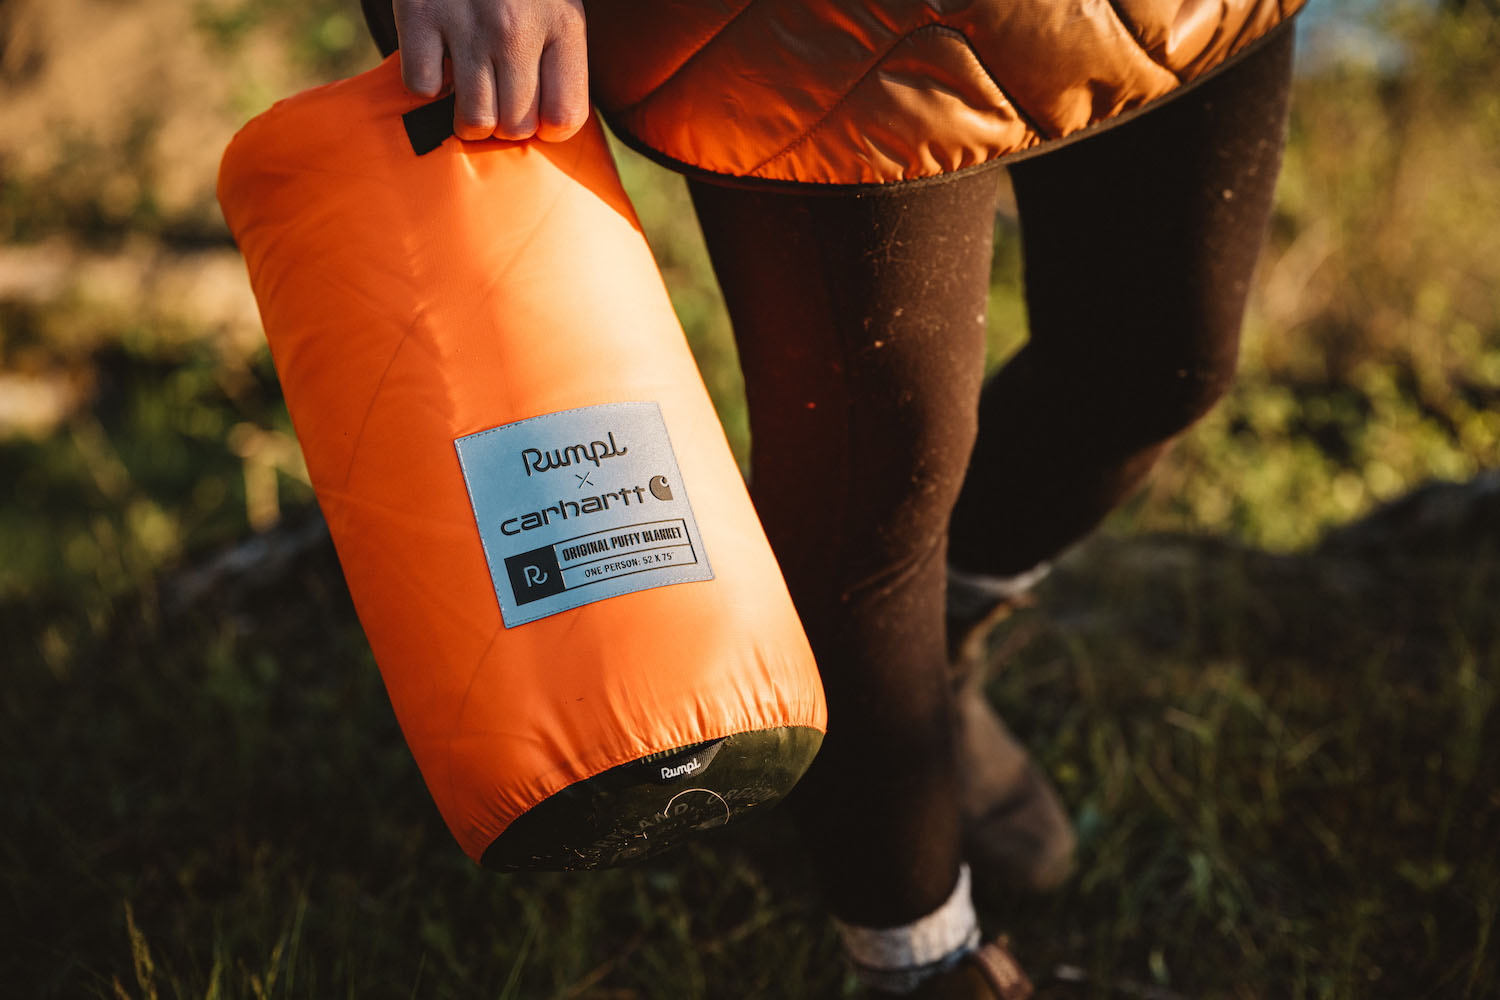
(860, 324)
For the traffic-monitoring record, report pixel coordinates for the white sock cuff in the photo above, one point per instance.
(1001, 588)
(898, 959)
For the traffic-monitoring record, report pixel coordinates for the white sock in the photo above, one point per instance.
(978, 592)
(899, 959)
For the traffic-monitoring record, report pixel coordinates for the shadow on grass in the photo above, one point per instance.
(217, 801)
(1281, 768)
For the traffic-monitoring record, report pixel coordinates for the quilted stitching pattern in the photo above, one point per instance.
(876, 91)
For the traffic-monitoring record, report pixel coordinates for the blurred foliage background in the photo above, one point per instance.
(141, 428)
(139, 414)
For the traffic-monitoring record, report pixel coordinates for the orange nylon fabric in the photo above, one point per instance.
(864, 92)
(412, 300)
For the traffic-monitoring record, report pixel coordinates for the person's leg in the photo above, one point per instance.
(1139, 245)
(860, 323)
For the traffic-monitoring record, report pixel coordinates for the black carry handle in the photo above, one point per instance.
(428, 126)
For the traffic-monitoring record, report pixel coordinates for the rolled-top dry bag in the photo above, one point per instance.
(583, 632)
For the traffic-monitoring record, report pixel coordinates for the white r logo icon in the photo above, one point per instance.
(535, 576)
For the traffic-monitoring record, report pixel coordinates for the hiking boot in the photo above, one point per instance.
(1017, 836)
(977, 603)
(1016, 833)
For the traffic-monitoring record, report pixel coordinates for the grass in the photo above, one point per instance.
(1278, 740)
(216, 801)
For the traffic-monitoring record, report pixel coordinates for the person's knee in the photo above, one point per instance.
(1176, 398)
(907, 471)
(1147, 397)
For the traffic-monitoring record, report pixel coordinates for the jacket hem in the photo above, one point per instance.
(745, 182)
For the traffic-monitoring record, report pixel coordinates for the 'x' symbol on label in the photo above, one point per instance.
(583, 480)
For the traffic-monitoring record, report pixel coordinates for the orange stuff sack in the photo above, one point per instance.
(583, 632)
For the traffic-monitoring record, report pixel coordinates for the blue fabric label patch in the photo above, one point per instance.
(577, 506)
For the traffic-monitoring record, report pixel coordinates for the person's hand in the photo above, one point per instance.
(519, 66)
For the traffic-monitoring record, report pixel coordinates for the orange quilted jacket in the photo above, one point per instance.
(876, 91)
